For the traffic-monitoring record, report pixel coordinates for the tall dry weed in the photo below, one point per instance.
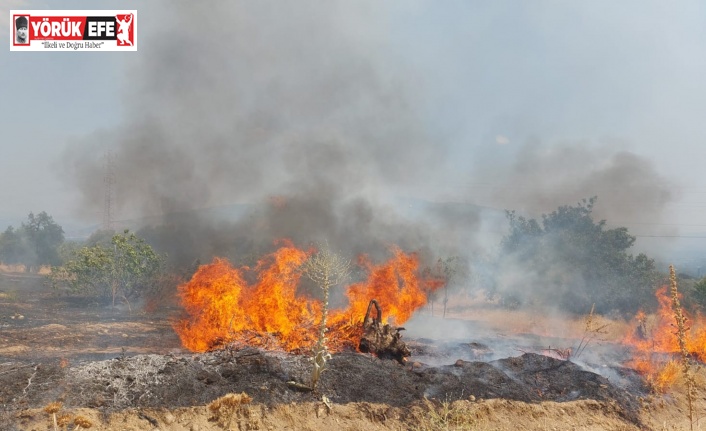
(681, 321)
(593, 330)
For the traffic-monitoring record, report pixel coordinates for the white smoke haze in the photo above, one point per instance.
(488, 333)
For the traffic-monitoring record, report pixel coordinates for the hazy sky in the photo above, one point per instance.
(526, 103)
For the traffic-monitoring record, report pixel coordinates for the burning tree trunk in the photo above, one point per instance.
(383, 340)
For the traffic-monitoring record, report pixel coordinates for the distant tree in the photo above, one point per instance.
(13, 248)
(572, 261)
(699, 292)
(35, 243)
(43, 237)
(446, 271)
(124, 269)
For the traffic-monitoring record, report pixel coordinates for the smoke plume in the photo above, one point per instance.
(540, 177)
(290, 109)
(304, 113)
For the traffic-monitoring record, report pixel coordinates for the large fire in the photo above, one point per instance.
(656, 344)
(223, 307)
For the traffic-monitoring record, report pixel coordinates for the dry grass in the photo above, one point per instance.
(82, 422)
(229, 402)
(446, 416)
(21, 269)
(234, 408)
(288, 414)
(53, 409)
(536, 321)
(64, 419)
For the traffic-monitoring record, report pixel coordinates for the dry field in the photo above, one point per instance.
(67, 363)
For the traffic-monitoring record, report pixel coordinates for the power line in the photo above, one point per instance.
(108, 182)
(669, 236)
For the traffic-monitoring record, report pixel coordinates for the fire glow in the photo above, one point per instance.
(656, 346)
(223, 307)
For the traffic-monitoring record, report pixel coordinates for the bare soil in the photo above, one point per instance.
(125, 370)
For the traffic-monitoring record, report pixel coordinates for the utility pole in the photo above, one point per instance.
(108, 183)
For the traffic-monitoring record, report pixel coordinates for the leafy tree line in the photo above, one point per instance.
(564, 259)
(570, 260)
(35, 243)
(108, 265)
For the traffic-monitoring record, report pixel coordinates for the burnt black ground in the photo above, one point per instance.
(196, 379)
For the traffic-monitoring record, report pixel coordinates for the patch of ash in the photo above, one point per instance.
(436, 353)
(121, 382)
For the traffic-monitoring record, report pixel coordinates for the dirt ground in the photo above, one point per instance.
(125, 370)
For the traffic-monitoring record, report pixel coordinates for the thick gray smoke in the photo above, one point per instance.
(562, 262)
(306, 114)
(291, 108)
(539, 177)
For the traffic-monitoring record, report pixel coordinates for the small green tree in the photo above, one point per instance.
(124, 269)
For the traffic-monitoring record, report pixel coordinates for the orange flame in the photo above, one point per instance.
(394, 284)
(655, 347)
(223, 307)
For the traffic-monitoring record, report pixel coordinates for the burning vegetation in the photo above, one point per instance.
(260, 306)
(664, 345)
